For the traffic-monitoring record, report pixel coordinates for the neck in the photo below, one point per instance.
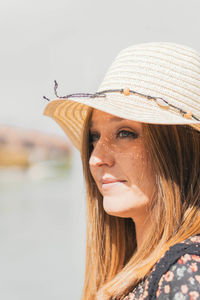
(142, 228)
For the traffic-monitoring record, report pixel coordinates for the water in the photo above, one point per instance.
(42, 235)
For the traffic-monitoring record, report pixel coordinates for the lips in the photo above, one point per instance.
(112, 184)
(111, 180)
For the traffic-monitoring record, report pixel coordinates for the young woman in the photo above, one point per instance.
(139, 141)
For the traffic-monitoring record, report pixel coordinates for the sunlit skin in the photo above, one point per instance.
(119, 152)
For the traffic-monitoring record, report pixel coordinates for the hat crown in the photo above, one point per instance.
(158, 69)
(165, 70)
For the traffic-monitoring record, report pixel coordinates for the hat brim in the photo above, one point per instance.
(71, 113)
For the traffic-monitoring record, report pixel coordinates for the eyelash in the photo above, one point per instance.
(130, 135)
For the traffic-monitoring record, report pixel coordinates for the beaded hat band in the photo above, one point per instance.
(155, 83)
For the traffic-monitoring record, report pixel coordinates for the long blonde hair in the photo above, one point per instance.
(114, 265)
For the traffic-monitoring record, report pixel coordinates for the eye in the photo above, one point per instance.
(127, 134)
(93, 137)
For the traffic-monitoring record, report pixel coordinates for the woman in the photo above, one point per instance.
(139, 141)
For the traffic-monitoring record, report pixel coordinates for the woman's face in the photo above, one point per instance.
(119, 154)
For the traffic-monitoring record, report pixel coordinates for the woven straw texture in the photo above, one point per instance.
(159, 69)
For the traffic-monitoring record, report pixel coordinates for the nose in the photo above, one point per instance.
(101, 154)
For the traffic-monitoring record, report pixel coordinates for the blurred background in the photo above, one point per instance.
(42, 200)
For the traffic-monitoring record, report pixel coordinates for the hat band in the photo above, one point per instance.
(126, 91)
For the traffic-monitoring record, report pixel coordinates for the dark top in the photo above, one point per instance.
(181, 281)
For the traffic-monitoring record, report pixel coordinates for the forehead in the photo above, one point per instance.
(100, 118)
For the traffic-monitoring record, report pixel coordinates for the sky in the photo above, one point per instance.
(74, 42)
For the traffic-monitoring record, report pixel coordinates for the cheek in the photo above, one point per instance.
(139, 170)
(133, 164)
(93, 172)
(90, 165)
(146, 176)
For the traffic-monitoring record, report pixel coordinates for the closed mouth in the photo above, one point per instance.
(113, 183)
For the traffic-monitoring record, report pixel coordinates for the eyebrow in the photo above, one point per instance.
(114, 119)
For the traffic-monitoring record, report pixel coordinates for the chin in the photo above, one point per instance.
(116, 209)
(118, 214)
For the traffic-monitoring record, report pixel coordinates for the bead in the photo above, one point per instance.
(126, 91)
(188, 115)
(162, 103)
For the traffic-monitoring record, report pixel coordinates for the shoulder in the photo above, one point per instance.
(182, 279)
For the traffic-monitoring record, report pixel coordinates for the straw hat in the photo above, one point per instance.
(156, 82)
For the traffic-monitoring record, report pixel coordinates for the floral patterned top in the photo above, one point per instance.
(180, 282)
